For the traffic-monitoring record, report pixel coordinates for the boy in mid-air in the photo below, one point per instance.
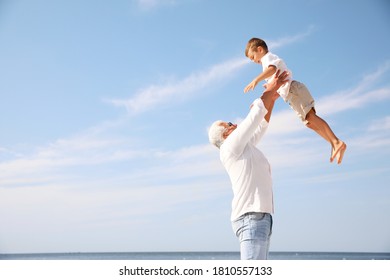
(293, 92)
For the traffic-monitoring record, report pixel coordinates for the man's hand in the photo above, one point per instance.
(277, 81)
(270, 94)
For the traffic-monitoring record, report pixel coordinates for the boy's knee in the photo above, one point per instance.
(309, 125)
(310, 115)
(309, 119)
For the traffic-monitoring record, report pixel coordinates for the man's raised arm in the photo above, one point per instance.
(270, 94)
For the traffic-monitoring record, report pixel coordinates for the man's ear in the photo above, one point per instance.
(224, 135)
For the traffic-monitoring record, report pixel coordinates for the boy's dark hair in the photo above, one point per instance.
(254, 43)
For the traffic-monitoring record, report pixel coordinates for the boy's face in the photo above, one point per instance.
(256, 54)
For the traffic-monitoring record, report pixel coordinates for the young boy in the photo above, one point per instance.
(293, 92)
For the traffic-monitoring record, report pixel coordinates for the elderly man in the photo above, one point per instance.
(249, 172)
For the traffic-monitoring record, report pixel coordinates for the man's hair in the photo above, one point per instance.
(216, 134)
(254, 43)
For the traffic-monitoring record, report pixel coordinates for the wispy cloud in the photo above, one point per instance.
(148, 98)
(304, 148)
(373, 141)
(375, 136)
(96, 147)
(275, 44)
(49, 163)
(382, 124)
(54, 176)
(364, 93)
(154, 95)
(153, 4)
(73, 159)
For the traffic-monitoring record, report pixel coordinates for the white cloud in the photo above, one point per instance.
(91, 148)
(66, 160)
(364, 93)
(274, 44)
(153, 4)
(152, 96)
(375, 136)
(382, 124)
(290, 144)
(49, 163)
(155, 95)
(369, 142)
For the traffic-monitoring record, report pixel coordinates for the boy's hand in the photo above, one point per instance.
(251, 86)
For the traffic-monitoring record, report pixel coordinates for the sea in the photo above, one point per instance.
(195, 256)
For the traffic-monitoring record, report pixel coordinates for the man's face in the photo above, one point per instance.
(229, 128)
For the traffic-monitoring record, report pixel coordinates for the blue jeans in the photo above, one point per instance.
(254, 233)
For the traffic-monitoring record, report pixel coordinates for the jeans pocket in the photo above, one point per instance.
(257, 216)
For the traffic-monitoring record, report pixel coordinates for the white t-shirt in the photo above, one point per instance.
(248, 168)
(273, 59)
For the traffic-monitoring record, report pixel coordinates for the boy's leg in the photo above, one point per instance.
(302, 103)
(322, 128)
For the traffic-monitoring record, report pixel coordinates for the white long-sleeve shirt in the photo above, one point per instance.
(248, 168)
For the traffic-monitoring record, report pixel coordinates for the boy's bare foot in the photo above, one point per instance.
(338, 150)
(341, 152)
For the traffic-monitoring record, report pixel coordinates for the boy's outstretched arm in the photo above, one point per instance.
(266, 74)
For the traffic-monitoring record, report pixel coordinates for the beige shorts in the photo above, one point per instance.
(300, 100)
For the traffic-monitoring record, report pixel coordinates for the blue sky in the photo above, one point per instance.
(104, 112)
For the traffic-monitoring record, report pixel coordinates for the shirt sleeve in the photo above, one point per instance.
(259, 133)
(250, 130)
(272, 59)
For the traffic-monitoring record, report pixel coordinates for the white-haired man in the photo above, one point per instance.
(249, 172)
